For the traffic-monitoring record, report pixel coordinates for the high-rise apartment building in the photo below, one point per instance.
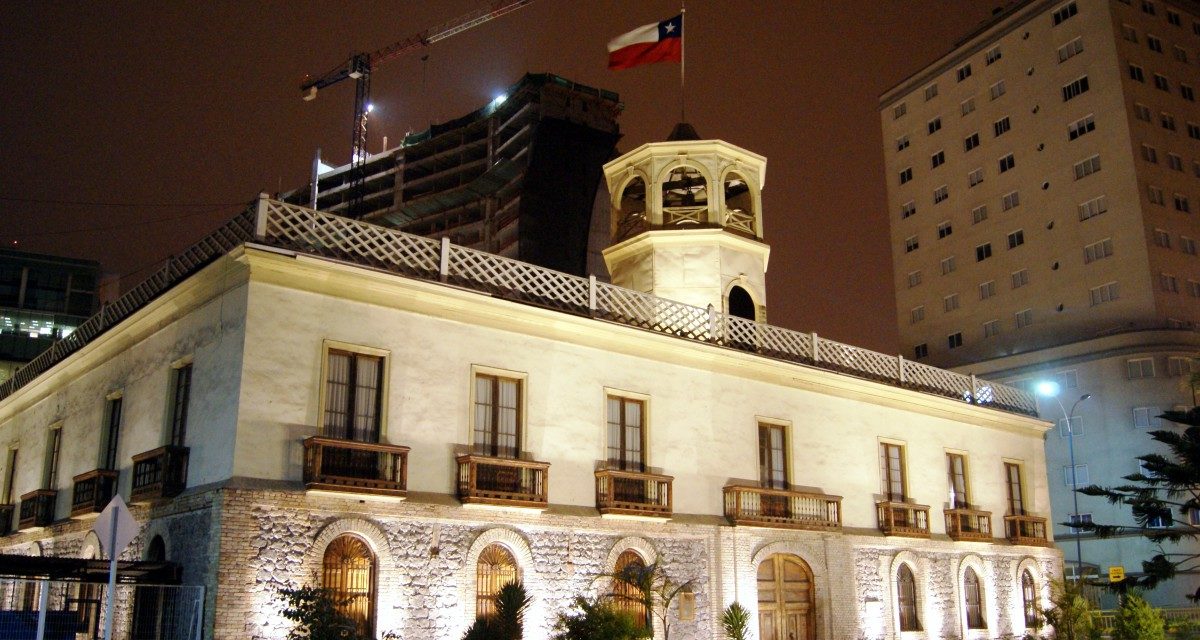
(1043, 186)
(42, 299)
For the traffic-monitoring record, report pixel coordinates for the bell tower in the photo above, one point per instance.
(687, 223)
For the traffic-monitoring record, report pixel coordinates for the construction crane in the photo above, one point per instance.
(360, 65)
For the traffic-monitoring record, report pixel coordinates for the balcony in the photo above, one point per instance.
(969, 524)
(1026, 530)
(903, 519)
(6, 513)
(350, 466)
(160, 473)
(92, 491)
(502, 481)
(630, 493)
(37, 508)
(782, 508)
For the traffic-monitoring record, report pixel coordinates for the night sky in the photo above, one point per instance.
(190, 109)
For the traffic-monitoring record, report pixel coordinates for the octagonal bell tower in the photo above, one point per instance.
(687, 223)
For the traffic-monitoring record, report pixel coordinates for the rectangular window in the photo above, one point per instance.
(1173, 18)
(1129, 33)
(978, 214)
(1024, 318)
(1087, 167)
(1016, 239)
(987, 289)
(1161, 520)
(934, 125)
(963, 72)
(914, 279)
(940, 194)
(1148, 7)
(498, 421)
(1007, 162)
(1180, 366)
(991, 328)
(1076, 476)
(1180, 54)
(908, 209)
(626, 434)
(944, 229)
(112, 432)
(983, 252)
(957, 472)
(971, 141)
(1067, 379)
(53, 453)
(1070, 50)
(1187, 245)
(1181, 203)
(1136, 73)
(1016, 490)
(772, 456)
(1155, 195)
(1080, 127)
(954, 340)
(1193, 288)
(1074, 427)
(931, 92)
(1149, 153)
(1001, 126)
(996, 90)
(180, 395)
(938, 159)
(1187, 92)
(891, 472)
(1153, 43)
(1019, 278)
(354, 385)
(950, 302)
(1162, 83)
(1010, 200)
(1145, 417)
(992, 55)
(1075, 88)
(1076, 519)
(1142, 112)
(1097, 251)
(1093, 207)
(975, 177)
(1139, 368)
(906, 175)
(1168, 283)
(899, 110)
(916, 314)
(1193, 130)
(1063, 13)
(921, 351)
(1104, 293)
(1162, 238)
(1174, 162)
(902, 143)
(967, 106)
(911, 244)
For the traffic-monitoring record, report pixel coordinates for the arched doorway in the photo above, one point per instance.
(627, 597)
(348, 573)
(741, 304)
(786, 608)
(148, 602)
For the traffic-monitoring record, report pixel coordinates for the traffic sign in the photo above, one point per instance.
(1116, 573)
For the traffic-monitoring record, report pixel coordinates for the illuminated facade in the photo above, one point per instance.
(414, 424)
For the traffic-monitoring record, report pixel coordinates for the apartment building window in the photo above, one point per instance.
(772, 456)
(626, 433)
(1076, 519)
(931, 92)
(1180, 54)
(950, 302)
(1097, 251)
(1141, 112)
(1016, 489)
(1016, 239)
(112, 431)
(891, 471)
(996, 90)
(908, 209)
(1196, 168)
(914, 279)
(935, 125)
(1080, 127)
(906, 174)
(1145, 417)
(497, 418)
(353, 403)
(1067, 379)
(957, 476)
(1070, 50)
(1174, 162)
(1063, 13)
(944, 229)
(1076, 476)
(1168, 283)
(938, 159)
(1181, 203)
(1162, 238)
(1007, 162)
(1187, 245)
(911, 244)
(971, 141)
(181, 394)
(940, 194)
(1173, 18)
(1024, 318)
(1160, 520)
(1129, 33)
(954, 340)
(902, 143)
(1136, 73)
(1149, 153)
(899, 110)
(991, 328)
(53, 453)
(1148, 7)
(1153, 43)
(1193, 130)
(1093, 207)
(1010, 200)
(1193, 288)
(1001, 126)
(963, 72)
(1104, 293)
(1072, 427)
(1180, 366)
(987, 289)
(1162, 83)
(1167, 120)
(975, 177)
(983, 252)
(967, 106)
(979, 214)
(1139, 368)
(921, 351)
(991, 56)
(1075, 88)
(1155, 195)
(1019, 278)
(1087, 167)
(1187, 92)
(916, 314)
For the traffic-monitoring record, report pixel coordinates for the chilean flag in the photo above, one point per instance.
(658, 42)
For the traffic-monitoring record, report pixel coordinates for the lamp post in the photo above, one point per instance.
(1050, 389)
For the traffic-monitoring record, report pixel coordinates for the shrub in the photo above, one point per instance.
(316, 616)
(1137, 620)
(598, 620)
(736, 622)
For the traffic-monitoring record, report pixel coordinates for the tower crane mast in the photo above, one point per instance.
(360, 65)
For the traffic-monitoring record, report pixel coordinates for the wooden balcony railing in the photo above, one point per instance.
(903, 519)
(37, 508)
(6, 518)
(502, 481)
(93, 490)
(632, 493)
(160, 473)
(756, 506)
(969, 524)
(331, 464)
(1027, 530)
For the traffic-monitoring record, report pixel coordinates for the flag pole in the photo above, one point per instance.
(682, 61)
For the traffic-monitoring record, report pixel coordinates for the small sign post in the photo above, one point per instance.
(1116, 573)
(115, 528)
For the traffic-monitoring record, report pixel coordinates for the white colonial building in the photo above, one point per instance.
(303, 399)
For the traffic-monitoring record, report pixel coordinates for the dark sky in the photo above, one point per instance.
(197, 103)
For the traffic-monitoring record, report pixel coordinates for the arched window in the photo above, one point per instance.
(631, 218)
(496, 568)
(149, 621)
(741, 304)
(685, 197)
(626, 596)
(739, 205)
(973, 596)
(906, 589)
(348, 574)
(1029, 600)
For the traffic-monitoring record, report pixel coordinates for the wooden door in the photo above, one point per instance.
(785, 599)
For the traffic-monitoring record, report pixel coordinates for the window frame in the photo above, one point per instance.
(889, 477)
(625, 398)
(496, 374)
(110, 437)
(766, 468)
(331, 346)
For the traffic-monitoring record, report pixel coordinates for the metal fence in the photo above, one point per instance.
(60, 610)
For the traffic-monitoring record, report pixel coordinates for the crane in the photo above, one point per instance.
(359, 66)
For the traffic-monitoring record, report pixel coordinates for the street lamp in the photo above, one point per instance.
(1050, 389)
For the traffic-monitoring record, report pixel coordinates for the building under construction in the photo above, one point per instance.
(517, 177)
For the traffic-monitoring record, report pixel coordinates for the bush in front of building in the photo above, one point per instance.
(316, 614)
(1071, 613)
(508, 621)
(598, 620)
(736, 622)
(1137, 620)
